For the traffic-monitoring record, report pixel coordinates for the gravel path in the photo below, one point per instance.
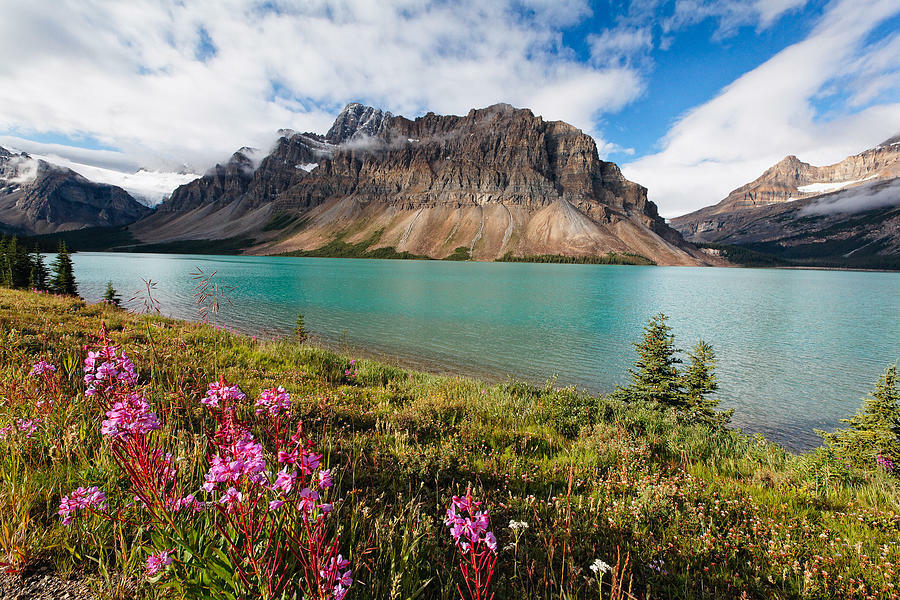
(42, 584)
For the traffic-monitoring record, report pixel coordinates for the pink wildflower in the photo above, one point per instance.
(285, 481)
(324, 479)
(80, 499)
(219, 392)
(308, 499)
(42, 367)
(231, 498)
(310, 461)
(158, 562)
(105, 368)
(244, 460)
(274, 400)
(130, 416)
(27, 426)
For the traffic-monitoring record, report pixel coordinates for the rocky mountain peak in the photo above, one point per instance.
(356, 122)
(890, 141)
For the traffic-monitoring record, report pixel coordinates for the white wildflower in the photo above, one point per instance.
(515, 525)
(599, 566)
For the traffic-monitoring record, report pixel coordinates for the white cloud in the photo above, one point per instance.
(865, 197)
(768, 113)
(620, 45)
(128, 73)
(731, 14)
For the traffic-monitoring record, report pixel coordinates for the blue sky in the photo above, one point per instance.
(691, 97)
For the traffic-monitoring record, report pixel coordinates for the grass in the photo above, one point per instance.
(611, 258)
(698, 512)
(459, 253)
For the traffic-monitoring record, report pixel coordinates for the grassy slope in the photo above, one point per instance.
(700, 513)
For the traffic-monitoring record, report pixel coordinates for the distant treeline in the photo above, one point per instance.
(23, 267)
(824, 255)
(338, 248)
(611, 258)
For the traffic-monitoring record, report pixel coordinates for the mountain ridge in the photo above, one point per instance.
(847, 213)
(37, 197)
(496, 180)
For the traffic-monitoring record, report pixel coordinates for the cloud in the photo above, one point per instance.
(771, 112)
(730, 14)
(621, 45)
(171, 82)
(864, 197)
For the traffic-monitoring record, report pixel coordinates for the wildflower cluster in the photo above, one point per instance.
(885, 463)
(264, 518)
(41, 367)
(274, 400)
(129, 416)
(80, 499)
(339, 573)
(158, 562)
(220, 394)
(477, 545)
(107, 367)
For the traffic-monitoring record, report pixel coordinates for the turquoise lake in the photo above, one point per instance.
(797, 349)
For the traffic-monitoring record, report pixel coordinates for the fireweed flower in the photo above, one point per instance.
(81, 499)
(477, 545)
(885, 463)
(308, 499)
(231, 498)
(27, 426)
(106, 367)
(274, 400)
(129, 416)
(42, 367)
(244, 459)
(219, 392)
(337, 571)
(158, 562)
(310, 461)
(324, 479)
(285, 481)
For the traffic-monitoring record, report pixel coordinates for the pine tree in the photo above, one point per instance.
(300, 333)
(5, 274)
(655, 377)
(111, 295)
(38, 270)
(19, 264)
(875, 429)
(63, 281)
(699, 381)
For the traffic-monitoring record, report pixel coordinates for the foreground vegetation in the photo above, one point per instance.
(587, 496)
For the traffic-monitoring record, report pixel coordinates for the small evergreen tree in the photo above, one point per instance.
(874, 430)
(300, 333)
(5, 275)
(655, 376)
(63, 281)
(111, 295)
(38, 270)
(19, 264)
(698, 382)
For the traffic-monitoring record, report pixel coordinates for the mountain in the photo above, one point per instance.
(788, 181)
(498, 180)
(847, 213)
(37, 197)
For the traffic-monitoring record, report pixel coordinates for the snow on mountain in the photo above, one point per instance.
(147, 187)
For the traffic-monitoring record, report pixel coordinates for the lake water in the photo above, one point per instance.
(797, 349)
